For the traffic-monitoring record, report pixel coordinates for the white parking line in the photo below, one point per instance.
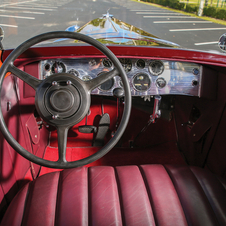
(175, 21)
(15, 7)
(157, 13)
(38, 5)
(18, 17)
(168, 17)
(13, 11)
(139, 10)
(8, 25)
(200, 29)
(16, 3)
(205, 43)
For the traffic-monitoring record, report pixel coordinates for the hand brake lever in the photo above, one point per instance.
(156, 109)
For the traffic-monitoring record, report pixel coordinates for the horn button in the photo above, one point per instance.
(62, 100)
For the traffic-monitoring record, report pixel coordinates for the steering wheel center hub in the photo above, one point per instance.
(62, 100)
(61, 103)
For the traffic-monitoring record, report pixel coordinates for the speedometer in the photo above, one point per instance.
(141, 82)
(126, 63)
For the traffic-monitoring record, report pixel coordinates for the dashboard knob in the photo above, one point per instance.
(118, 92)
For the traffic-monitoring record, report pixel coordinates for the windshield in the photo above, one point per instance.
(113, 22)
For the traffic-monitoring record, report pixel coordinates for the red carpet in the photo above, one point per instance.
(157, 145)
(165, 153)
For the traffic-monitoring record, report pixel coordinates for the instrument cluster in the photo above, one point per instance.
(146, 76)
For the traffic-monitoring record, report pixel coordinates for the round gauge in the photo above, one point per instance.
(126, 63)
(141, 82)
(86, 78)
(107, 63)
(73, 72)
(58, 67)
(160, 82)
(141, 64)
(156, 67)
(194, 82)
(92, 63)
(195, 71)
(47, 67)
(106, 85)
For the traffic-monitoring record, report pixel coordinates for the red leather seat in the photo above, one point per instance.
(127, 195)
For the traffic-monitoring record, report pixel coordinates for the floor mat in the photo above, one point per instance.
(72, 154)
(166, 153)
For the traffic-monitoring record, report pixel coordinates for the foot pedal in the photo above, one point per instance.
(102, 130)
(87, 129)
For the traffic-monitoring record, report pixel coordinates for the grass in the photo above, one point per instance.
(214, 2)
(222, 22)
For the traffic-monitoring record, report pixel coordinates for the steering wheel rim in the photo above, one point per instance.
(36, 84)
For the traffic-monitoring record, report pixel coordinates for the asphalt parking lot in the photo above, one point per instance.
(187, 31)
(26, 18)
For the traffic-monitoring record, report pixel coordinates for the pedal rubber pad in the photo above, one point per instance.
(102, 129)
(87, 129)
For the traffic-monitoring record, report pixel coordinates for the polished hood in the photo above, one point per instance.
(111, 31)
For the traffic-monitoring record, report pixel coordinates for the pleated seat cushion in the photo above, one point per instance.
(126, 195)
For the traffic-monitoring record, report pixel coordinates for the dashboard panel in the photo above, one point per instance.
(146, 76)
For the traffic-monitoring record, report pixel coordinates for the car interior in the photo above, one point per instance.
(112, 135)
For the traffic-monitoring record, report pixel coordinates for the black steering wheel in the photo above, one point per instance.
(63, 100)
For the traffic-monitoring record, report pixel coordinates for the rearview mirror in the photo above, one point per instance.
(1, 37)
(222, 42)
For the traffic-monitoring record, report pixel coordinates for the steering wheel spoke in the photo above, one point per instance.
(29, 79)
(94, 83)
(62, 133)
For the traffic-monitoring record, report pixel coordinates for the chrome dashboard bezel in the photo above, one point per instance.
(178, 75)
